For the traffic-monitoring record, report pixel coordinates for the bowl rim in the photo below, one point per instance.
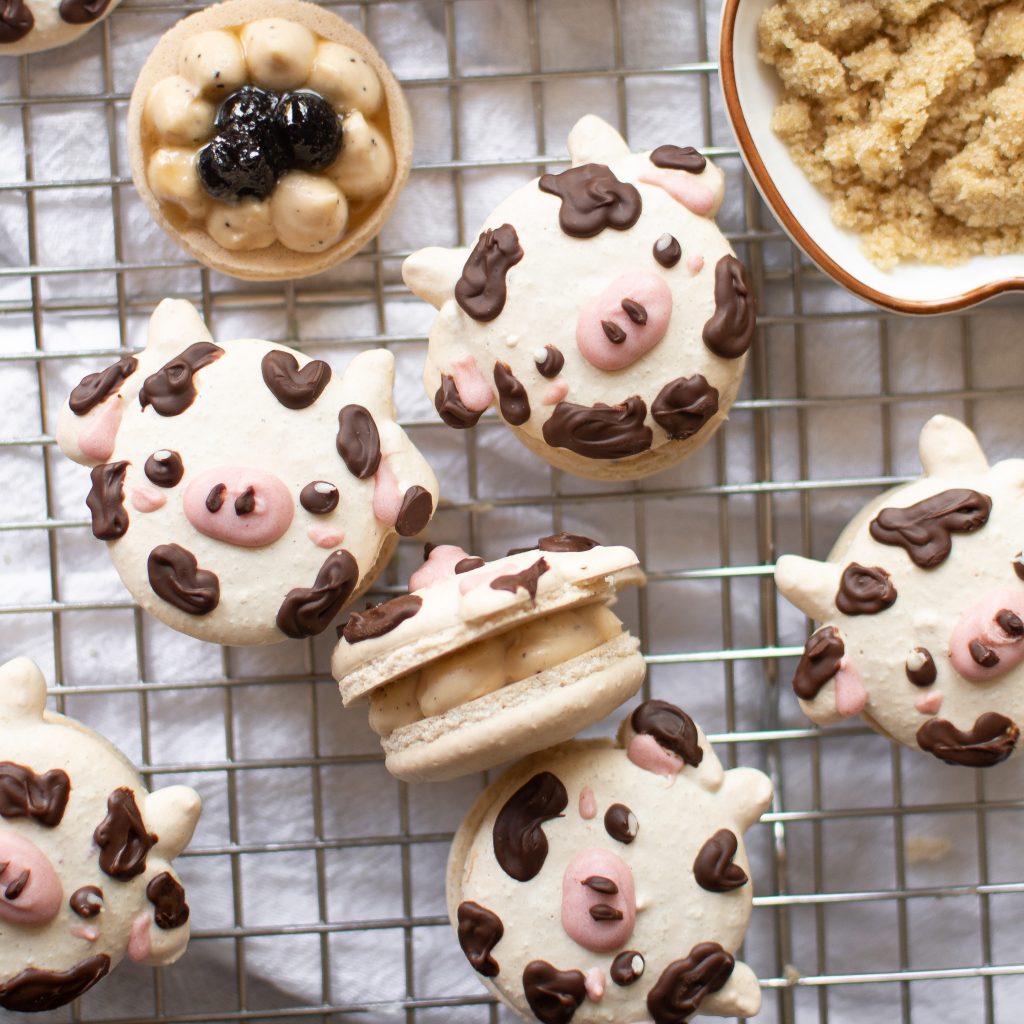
(790, 223)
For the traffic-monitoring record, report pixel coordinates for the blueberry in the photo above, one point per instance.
(246, 107)
(235, 164)
(310, 127)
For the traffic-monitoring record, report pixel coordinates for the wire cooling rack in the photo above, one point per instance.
(889, 887)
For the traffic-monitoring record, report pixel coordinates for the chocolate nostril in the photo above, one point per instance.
(984, 656)
(15, 889)
(1010, 623)
(635, 311)
(245, 502)
(615, 334)
(603, 912)
(215, 498)
(601, 884)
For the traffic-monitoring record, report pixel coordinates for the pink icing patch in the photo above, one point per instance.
(97, 439)
(147, 499)
(554, 392)
(684, 188)
(439, 566)
(646, 290)
(273, 506)
(588, 803)
(387, 501)
(475, 392)
(592, 915)
(594, 984)
(85, 931)
(695, 263)
(978, 626)
(325, 536)
(139, 944)
(645, 752)
(41, 893)
(851, 697)
(929, 703)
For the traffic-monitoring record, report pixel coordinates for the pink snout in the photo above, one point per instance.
(625, 321)
(30, 891)
(598, 900)
(988, 640)
(238, 505)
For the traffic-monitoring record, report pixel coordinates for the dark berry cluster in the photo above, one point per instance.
(260, 136)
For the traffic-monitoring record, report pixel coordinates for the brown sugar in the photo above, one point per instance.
(909, 115)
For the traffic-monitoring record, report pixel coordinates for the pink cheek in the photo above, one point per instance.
(599, 916)
(85, 931)
(646, 753)
(147, 499)
(139, 944)
(695, 263)
(96, 441)
(387, 502)
(595, 984)
(554, 392)
(588, 803)
(851, 697)
(274, 506)
(929, 703)
(684, 188)
(474, 391)
(30, 891)
(325, 537)
(440, 565)
(979, 631)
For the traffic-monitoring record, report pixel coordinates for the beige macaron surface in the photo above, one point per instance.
(310, 220)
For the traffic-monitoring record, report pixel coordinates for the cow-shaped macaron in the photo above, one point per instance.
(85, 852)
(921, 606)
(601, 309)
(604, 883)
(247, 492)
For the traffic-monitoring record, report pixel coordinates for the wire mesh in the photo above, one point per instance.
(321, 879)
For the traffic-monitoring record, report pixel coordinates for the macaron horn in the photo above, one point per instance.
(808, 584)
(948, 447)
(22, 690)
(740, 996)
(431, 273)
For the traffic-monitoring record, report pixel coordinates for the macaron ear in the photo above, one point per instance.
(431, 273)
(369, 381)
(172, 813)
(740, 996)
(809, 584)
(948, 447)
(593, 140)
(174, 325)
(749, 792)
(22, 690)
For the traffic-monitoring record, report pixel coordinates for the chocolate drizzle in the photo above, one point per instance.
(527, 579)
(468, 564)
(16, 22)
(989, 741)
(667, 250)
(924, 529)
(292, 387)
(551, 365)
(714, 868)
(592, 199)
(168, 898)
(512, 397)
(106, 501)
(415, 512)
(175, 576)
(319, 497)
(925, 673)
(82, 12)
(24, 794)
(87, 902)
(566, 542)
(164, 468)
(864, 590)
(679, 158)
(684, 984)
(358, 442)
(621, 824)
(730, 330)
(600, 431)
(684, 405)
(625, 969)
(819, 663)
(307, 611)
(451, 408)
(171, 389)
(671, 728)
(479, 931)
(481, 290)
(122, 837)
(94, 387)
(381, 618)
(520, 846)
(35, 990)
(553, 995)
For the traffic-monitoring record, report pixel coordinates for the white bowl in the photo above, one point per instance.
(751, 91)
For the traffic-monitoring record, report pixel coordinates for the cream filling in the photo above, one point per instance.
(488, 665)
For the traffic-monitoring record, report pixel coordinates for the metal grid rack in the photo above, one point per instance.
(887, 887)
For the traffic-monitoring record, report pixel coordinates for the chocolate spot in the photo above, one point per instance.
(164, 468)
(171, 389)
(358, 442)
(679, 158)
(81, 12)
(451, 408)
(667, 250)
(24, 794)
(520, 846)
(551, 365)
(479, 931)
(671, 728)
(35, 990)
(635, 311)
(627, 967)
(924, 529)
(984, 656)
(17, 887)
(819, 663)
(94, 387)
(122, 837)
(481, 291)
(16, 22)
(714, 868)
(730, 330)
(600, 884)
(989, 741)
(592, 199)
(1018, 564)
(527, 579)
(512, 397)
(684, 405)
(925, 673)
(307, 611)
(292, 387)
(613, 332)
(600, 431)
(1010, 623)
(87, 902)
(415, 512)
(319, 497)
(168, 898)
(553, 995)
(864, 590)
(215, 499)
(468, 564)
(245, 503)
(604, 912)
(381, 618)
(621, 824)
(566, 542)
(106, 501)
(684, 984)
(175, 576)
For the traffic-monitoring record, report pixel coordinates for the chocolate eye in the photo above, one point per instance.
(165, 468)
(319, 497)
(621, 824)
(88, 901)
(667, 250)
